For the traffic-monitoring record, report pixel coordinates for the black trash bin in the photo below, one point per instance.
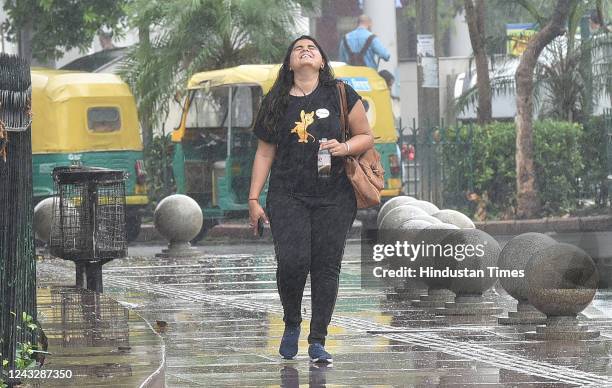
(89, 220)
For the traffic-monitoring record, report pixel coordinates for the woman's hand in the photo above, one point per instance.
(255, 213)
(335, 147)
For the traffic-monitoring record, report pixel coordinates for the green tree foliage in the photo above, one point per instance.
(61, 25)
(191, 36)
(564, 171)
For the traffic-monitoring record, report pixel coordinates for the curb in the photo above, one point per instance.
(545, 225)
(240, 230)
(229, 231)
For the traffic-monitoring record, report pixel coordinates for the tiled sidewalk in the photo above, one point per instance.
(221, 320)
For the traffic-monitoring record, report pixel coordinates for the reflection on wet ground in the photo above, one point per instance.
(95, 341)
(221, 320)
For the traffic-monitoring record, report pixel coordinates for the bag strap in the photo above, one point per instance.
(343, 111)
(346, 45)
(367, 44)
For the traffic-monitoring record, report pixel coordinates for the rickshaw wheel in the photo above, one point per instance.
(133, 221)
(206, 226)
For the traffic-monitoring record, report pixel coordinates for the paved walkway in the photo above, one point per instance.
(95, 341)
(221, 320)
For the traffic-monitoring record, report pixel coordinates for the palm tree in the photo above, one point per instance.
(179, 38)
(560, 80)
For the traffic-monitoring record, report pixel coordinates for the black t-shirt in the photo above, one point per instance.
(306, 121)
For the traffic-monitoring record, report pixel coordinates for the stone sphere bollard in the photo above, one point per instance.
(437, 287)
(179, 219)
(406, 232)
(43, 218)
(410, 229)
(475, 252)
(562, 280)
(514, 257)
(428, 218)
(429, 207)
(473, 261)
(454, 217)
(394, 218)
(392, 204)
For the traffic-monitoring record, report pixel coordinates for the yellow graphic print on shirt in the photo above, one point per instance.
(302, 126)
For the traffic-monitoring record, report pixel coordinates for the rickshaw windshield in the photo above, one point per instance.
(210, 108)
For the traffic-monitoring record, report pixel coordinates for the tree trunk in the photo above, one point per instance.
(476, 26)
(528, 205)
(145, 118)
(25, 41)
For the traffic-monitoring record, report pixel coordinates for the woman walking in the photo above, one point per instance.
(309, 214)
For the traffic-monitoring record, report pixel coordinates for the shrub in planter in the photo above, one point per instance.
(490, 166)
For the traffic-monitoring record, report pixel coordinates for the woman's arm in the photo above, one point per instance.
(264, 156)
(361, 134)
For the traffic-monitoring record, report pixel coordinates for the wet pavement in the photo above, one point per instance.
(221, 320)
(94, 341)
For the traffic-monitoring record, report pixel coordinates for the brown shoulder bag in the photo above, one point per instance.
(365, 171)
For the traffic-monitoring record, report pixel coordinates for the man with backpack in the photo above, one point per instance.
(361, 47)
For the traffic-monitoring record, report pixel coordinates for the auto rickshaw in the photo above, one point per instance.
(215, 146)
(87, 119)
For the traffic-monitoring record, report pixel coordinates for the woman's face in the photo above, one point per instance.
(305, 54)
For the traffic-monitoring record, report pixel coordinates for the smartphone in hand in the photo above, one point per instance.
(260, 227)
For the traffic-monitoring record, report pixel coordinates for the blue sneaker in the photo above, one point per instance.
(317, 353)
(289, 344)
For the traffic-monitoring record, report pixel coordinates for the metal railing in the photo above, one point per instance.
(425, 170)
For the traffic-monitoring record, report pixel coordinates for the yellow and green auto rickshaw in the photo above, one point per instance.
(214, 145)
(88, 119)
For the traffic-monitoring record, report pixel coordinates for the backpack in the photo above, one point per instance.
(357, 59)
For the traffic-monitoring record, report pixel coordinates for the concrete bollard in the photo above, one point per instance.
(394, 218)
(562, 281)
(437, 288)
(454, 217)
(392, 204)
(408, 232)
(514, 257)
(428, 218)
(475, 262)
(43, 218)
(178, 218)
(429, 207)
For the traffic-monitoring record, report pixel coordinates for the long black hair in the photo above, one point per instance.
(276, 101)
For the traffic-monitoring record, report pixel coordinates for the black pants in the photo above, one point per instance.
(309, 235)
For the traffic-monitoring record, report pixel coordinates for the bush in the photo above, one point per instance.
(490, 167)
(594, 183)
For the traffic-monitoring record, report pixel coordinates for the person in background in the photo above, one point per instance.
(361, 47)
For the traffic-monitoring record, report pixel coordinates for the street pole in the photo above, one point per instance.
(382, 13)
(428, 85)
(427, 64)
